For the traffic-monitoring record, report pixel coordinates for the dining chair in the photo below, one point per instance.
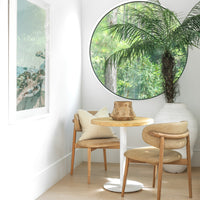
(91, 144)
(163, 138)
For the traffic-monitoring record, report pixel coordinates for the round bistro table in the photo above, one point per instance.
(116, 186)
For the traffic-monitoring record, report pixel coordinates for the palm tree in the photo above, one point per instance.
(157, 29)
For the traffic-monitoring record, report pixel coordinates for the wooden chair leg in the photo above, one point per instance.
(89, 164)
(72, 159)
(189, 167)
(125, 176)
(160, 168)
(73, 152)
(155, 167)
(105, 160)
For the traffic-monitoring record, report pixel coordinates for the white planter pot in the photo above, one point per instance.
(174, 112)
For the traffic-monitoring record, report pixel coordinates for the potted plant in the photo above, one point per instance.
(160, 31)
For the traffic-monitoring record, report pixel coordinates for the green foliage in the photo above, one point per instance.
(102, 46)
(135, 36)
(139, 80)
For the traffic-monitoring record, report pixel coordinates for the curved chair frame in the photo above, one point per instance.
(162, 137)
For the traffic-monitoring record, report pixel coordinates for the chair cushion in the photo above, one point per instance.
(91, 131)
(100, 143)
(151, 155)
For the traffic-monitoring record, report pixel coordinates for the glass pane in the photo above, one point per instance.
(136, 48)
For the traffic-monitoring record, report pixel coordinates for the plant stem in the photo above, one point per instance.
(168, 72)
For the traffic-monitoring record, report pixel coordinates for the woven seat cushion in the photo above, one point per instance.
(99, 143)
(151, 155)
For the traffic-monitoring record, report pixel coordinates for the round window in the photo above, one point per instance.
(127, 47)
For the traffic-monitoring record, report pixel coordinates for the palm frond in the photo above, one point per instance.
(138, 49)
(188, 33)
(145, 26)
(155, 2)
(131, 33)
(146, 19)
(194, 11)
(156, 20)
(192, 23)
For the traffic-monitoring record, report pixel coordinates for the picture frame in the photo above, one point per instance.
(28, 59)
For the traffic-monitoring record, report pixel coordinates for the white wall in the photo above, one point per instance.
(35, 153)
(96, 96)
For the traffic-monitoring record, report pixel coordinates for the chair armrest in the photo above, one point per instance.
(77, 125)
(169, 136)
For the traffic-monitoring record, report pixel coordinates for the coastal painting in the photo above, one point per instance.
(31, 55)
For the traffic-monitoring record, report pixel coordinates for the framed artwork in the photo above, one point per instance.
(28, 58)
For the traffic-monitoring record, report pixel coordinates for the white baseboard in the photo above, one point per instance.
(48, 177)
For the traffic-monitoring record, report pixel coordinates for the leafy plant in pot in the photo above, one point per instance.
(158, 29)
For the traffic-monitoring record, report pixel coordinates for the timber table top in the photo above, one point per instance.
(108, 121)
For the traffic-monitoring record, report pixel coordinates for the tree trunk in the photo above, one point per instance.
(168, 72)
(111, 77)
(111, 69)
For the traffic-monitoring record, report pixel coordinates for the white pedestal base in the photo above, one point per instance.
(131, 186)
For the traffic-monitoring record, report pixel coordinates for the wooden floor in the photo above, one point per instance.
(174, 186)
